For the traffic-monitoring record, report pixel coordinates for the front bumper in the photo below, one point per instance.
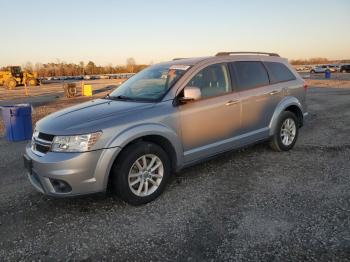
(84, 173)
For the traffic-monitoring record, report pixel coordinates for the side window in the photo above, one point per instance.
(212, 81)
(279, 72)
(250, 74)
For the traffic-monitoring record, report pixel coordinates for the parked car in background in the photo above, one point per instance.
(323, 69)
(167, 117)
(344, 68)
(300, 68)
(334, 68)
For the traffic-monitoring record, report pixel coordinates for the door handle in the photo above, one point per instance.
(232, 102)
(274, 92)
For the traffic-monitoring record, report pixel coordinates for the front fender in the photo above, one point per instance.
(286, 102)
(132, 133)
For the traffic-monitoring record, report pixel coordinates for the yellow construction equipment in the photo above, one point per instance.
(13, 76)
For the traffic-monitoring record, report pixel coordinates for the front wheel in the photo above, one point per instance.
(140, 173)
(32, 82)
(286, 132)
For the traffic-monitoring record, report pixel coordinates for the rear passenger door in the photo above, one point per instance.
(281, 84)
(252, 83)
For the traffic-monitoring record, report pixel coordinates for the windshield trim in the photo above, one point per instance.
(129, 99)
(150, 100)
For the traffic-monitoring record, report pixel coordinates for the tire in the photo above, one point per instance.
(32, 82)
(128, 177)
(312, 72)
(11, 83)
(70, 90)
(277, 143)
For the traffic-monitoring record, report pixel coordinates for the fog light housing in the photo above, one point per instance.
(60, 186)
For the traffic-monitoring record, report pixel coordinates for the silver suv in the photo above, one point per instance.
(169, 116)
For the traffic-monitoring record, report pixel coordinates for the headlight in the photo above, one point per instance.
(79, 143)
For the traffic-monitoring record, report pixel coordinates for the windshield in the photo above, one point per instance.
(150, 84)
(16, 70)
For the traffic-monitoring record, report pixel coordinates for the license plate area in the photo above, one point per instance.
(28, 163)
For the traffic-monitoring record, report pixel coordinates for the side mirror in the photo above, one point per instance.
(192, 93)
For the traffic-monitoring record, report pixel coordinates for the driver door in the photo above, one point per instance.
(209, 123)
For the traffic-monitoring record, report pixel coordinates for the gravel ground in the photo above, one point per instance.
(334, 76)
(252, 204)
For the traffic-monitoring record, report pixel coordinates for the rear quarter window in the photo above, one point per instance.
(250, 74)
(279, 72)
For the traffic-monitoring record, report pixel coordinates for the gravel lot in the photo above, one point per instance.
(253, 204)
(334, 76)
(50, 91)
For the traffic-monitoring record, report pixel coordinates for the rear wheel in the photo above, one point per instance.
(140, 173)
(11, 83)
(286, 132)
(312, 72)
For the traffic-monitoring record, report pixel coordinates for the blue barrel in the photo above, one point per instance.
(18, 122)
(327, 74)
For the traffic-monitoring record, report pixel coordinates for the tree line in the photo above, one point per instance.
(71, 69)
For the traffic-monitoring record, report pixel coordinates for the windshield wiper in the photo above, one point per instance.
(126, 98)
(120, 97)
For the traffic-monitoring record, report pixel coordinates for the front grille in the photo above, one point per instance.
(41, 143)
(41, 148)
(46, 137)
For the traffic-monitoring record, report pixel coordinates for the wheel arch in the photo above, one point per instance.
(297, 111)
(290, 104)
(157, 134)
(159, 140)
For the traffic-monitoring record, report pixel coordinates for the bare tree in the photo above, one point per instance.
(28, 67)
(130, 64)
(81, 65)
(90, 68)
(61, 68)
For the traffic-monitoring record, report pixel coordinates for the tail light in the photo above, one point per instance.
(305, 86)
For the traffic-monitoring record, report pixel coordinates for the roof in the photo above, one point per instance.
(187, 61)
(223, 55)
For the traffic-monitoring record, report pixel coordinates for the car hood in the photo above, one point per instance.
(88, 117)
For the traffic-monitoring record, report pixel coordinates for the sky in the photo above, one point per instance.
(108, 32)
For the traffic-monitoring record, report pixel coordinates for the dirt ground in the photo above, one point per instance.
(49, 104)
(252, 204)
(44, 110)
(52, 88)
(331, 83)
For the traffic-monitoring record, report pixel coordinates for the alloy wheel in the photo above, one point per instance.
(288, 131)
(145, 175)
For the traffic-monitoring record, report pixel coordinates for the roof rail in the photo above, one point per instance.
(180, 58)
(253, 53)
